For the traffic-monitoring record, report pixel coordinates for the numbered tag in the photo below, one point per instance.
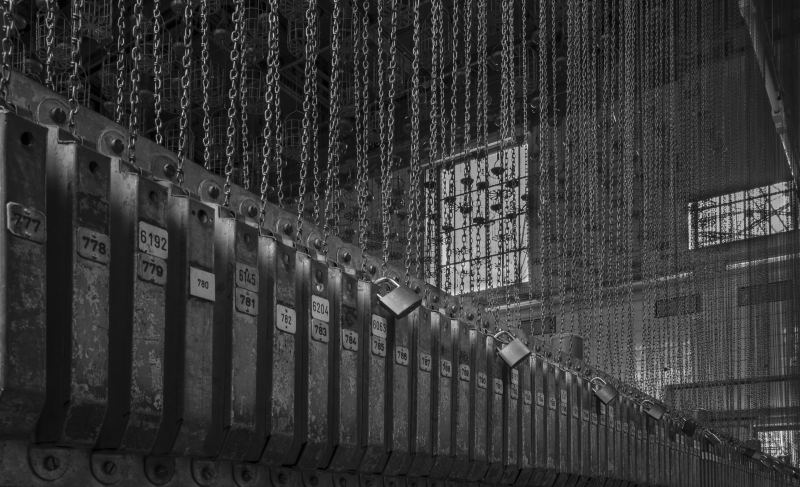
(350, 340)
(152, 269)
(463, 372)
(247, 277)
(527, 398)
(320, 309)
(201, 284)
(93, 245)
(25, 222)
(585, 415)
(401, 355)
(563, 396)
(551, 403)
(319, 331)
(379, 346)
(619, 425)
(575, 413)
(425, 362)
(153, 240)
(625, 428)
(286, 319)
(497, 386)
(446, 368)
(594, 418)
(514, 391)
(540, 399)
(380, 326)
(514, 376)
(246, 301)
(482, 380)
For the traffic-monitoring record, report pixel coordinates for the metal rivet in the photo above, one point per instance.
(170, 170)
(117, 145)
(346, 257)
(252, 211)
(51, 463)
(58, 115)
(247, 476)
(373, 269)
(282, 478)
(470, 316)
(110, 468)
(208, 474)
(288, 228)
(213, 191)
(435, 298)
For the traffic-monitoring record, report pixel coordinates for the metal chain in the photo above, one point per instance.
(136, 55)
(505, 119)
(466, 233)
(315, 115)
(244, 129)
(77, 38)
(236, 38)
(364, 170)
(544, 157)
(333, 134)
(390, 109)
(451, 186)
(158, 76)
(205, 73)
(50, 25)
(309, 84)
(481, 215)
(385, 158)
(185, 131)
(412, 234)
(119, 108)
(271, 97)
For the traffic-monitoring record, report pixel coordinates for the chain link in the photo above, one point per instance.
(233, 95)
(50, 25)
(244, 129)
(362, 108)
(185, 130)
(412, 234)
(309, 85)
(119, 108)
(205, 73)
(158, 76)
(136, 55)
(385, 159)
(5, 76)
(271, 120)
(77, 38)
(331, 200)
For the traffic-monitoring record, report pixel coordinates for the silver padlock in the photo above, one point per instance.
(655, 411)
(401, 301)
(754, 454)
(606, 392)
(514, 352)
(713, 438)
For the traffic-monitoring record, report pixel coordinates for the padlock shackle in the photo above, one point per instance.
(597, 378)
(381, 280)
(501, 332)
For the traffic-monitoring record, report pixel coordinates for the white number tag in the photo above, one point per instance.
(93, 245)
(378, 346)
(514, 376)
(446, 368)
(514, 391)
(482, 380)
(320, 308)
(425, 361)
(246, 301)
(286, 319)
(247, 277)
(498, 386)
(350, 340)
(463, 372)
(152, 269)
(401, 355)
(319, 331)
(527, 398)
(379, 326)
(153, 240)
(201, 284)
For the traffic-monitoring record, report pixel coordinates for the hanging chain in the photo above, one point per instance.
(50, 25)
(271, 98)
(158, 76)
(480, 216)
(205, 70)
(362, 108)
(333, 135)
(309, 84)
(136, 55)
(314, 40)
(245, 142)
(119, 109)
(385, 159)
(412, 234)
(391, 121)
(77, 38)
(544, 156)
(236, 37)
(185, 131)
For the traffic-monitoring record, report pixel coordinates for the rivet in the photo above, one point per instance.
(317, 243)
(117, 145)
(213, 191)
(110, 468)
(58, 115)
(252, 211)
(346, 257)
(282, 478)
(51, 463)
(208, 474)
(288, 228)
(170, 170)
(373, 269)
(161, 471)
(246, 475)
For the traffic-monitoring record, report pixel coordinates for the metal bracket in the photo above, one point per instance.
(109, 468)
(49, 463)
(205, 472)
(159, 470)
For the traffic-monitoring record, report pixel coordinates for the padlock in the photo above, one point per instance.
(442, 395)
(314, 316)
(462, 379)
(606, 392)
(422, 368)
(689, 427)
(138, 276)
(278, 352)
(713, 438)
(401, 301)
(190, 296)
(342, 452)
(654, 410)
(375, 358)
(77, 266)
(514, 352)
(24, 277)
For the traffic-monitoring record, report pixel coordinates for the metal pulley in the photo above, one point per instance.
(606, 393)
(514, 352)
(401, 301)
(655, 411)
